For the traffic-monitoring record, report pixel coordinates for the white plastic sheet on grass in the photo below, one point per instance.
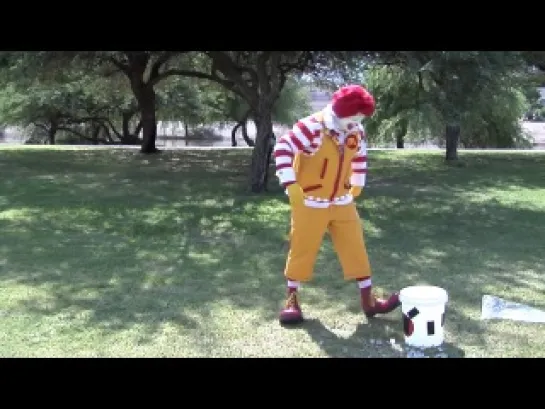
(498, 308)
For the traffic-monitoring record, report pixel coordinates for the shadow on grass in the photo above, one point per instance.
(136, 240)
(412, 170)
(368, 340)
(470, 230)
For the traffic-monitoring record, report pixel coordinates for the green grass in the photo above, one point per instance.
(110, 253)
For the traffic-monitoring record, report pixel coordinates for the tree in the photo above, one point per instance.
(495, 119)
(453, 80)
(143, 70)
(258, 78)
(194, 102)
(399, 105)
(410, 103)
(50, 107)
(73, 99)
(292, 104)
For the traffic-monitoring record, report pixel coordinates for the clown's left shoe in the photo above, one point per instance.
(372, 306)
(291, 313)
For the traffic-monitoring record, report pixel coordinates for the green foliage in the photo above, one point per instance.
(400, 101)
(536, 109)
(40, 102)
(293, 103)
(187, 100)
(224, 106)
(495, 120)
(67, 96)
(485, 92)
(456, 78)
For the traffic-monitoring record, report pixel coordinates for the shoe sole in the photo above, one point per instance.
(291, 321)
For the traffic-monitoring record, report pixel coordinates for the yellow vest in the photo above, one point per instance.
(326, 174)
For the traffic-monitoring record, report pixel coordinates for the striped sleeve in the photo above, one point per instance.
(359, 165)
(302, 136)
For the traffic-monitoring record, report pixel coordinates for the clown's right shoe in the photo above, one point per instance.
(291, 313)
(372, 305)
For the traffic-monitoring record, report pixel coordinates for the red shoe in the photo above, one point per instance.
(372, 306)
(291, 313)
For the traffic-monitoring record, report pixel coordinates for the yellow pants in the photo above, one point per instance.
(308, 226)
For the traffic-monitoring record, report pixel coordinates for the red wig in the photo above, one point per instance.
(353, 100)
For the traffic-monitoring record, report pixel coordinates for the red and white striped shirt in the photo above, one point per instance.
(306, 137)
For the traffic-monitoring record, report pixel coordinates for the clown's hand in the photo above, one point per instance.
(355, 191)
(295, 194)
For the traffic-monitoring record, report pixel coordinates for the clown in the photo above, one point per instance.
(322, 164)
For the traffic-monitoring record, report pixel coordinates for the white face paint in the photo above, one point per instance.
(347, 124)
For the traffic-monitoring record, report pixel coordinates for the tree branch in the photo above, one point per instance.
(185, 73)
(121, 66)
(262, 74)
(230, 85)
(301, 63)
(81, 135)
(229, 69)
(161, 60)
(274, 61)
(108, 124)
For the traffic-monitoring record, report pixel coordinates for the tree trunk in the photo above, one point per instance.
(243, 124)
(186, 130)
(234, 133)
(400, 142)
(269, 159)
(401, 131)
(452, 134)
(95, 132)
(145, 95)
(138, 129)
(126, 117)
(128, 137)
(245, 136)
(52, 132)
(264, 141)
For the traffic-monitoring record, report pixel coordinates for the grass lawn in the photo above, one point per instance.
(110, 253)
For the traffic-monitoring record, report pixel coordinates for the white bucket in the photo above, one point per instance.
(423, 309)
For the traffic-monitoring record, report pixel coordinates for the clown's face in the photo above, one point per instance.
(350, 123)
